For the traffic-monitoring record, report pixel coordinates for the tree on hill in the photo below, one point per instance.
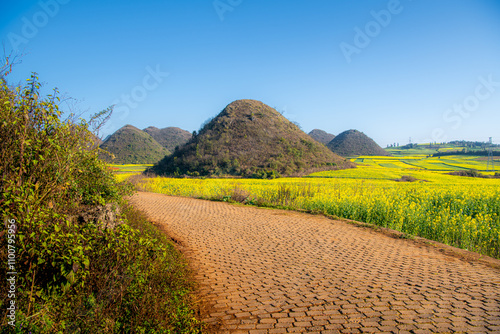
(249, 138)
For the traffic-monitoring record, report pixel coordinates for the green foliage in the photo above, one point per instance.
(76, 275)
(265, 174)
(143, 271)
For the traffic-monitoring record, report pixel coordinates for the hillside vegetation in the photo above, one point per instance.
(354, 143)
(249, 138)
(170, 137)
(129, 145)
(321, 136)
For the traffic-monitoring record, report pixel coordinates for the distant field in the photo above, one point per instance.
(129, 168)
(444, 164)
(125, 171)
(420, 151)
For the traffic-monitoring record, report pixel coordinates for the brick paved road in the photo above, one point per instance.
(273, 271)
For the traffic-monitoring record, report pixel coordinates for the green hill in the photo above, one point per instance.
(170, 137)
(129, 145)
(321, 136)
(249, 138)
(353, 143)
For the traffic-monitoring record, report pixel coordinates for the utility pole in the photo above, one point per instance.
(490, 167)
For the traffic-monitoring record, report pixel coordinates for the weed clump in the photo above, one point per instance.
(406, 178)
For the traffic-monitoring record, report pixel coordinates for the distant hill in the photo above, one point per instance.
(354, 143)
(130, 145)
(169, 137)
(321, 136)
(249, 138)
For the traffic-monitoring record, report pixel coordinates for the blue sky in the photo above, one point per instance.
(429, 70)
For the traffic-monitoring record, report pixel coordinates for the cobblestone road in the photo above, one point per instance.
(274, 271)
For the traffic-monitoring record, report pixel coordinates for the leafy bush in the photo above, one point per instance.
(75, 275)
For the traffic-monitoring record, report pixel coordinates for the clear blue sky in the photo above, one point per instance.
(429, 70)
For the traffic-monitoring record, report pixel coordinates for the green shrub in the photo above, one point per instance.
(49, 169)
(74, 275)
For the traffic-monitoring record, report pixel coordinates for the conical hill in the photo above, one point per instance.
(129, 145)
(170, 137)
(249, 138)
(321, 136)
(354, 143)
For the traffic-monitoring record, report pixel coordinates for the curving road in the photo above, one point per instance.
(275, 271)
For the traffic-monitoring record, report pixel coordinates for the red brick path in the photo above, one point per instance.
(274, 271)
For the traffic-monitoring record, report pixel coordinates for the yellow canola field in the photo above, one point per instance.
(445, 163)
(123, 172)
(459, 211)
(124, 176)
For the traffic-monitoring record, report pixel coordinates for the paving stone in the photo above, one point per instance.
(274, 271)
(302, 323)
